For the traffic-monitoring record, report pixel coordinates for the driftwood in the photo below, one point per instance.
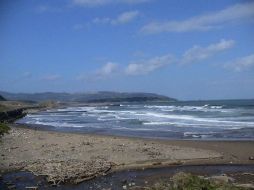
(71, 171)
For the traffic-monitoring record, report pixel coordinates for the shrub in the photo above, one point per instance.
(183, 181)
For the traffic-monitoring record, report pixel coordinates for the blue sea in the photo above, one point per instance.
(203, 120)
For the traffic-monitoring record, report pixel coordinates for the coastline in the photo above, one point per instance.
(36, 150)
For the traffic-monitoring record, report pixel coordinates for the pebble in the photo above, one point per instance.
(124, 187)
(11, 186)
(251, 158)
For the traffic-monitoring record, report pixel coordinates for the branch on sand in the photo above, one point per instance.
(71, 171)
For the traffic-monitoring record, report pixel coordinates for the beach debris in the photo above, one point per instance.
(32, 188)
(11, 186)
(124, 187)
(251, 158)
(72, 171)
(247, 185)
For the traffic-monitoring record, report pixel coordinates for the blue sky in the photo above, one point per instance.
(184, 49)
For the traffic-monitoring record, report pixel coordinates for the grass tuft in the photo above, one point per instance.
(4, 129)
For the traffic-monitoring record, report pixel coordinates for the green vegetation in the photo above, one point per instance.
(4, 129)
(95, 97)
(183, 181)
(48, 104)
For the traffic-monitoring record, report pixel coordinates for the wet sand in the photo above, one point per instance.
(78, 157)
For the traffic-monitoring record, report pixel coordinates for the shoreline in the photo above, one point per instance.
(49, 128)
(34, 149)
(208, 144)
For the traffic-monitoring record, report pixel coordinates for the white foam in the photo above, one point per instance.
(150, 115)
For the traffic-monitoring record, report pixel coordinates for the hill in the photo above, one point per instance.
(2, 98)
(96, 97)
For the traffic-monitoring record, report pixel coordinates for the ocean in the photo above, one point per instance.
(201, 120)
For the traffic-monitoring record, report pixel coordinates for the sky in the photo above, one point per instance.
(188, 50)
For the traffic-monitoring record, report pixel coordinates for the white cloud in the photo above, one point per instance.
(78, 26)
(104, 20)
(107, 70)
(26, 75)
(96, 3)
(194, 54)
(204, 22)
(148, 66)
(43, 8)
(123, 18)
(243, 63)
(198, 53)
(47, 8)
(52, 77)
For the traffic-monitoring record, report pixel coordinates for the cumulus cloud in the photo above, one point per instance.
(123, 18)
(96, 3)
(194, 54)
(204, 22)
(147, 66)
(106, 71)
(198, 53)
(243, 63)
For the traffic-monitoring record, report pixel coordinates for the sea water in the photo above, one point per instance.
(223, 119)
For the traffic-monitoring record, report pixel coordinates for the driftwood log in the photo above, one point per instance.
(71, 171)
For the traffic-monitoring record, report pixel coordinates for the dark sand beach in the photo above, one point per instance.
(69, 157)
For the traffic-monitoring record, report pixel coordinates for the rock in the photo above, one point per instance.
(124, 187)
(157, 163)
(251, 158)
(221, 179)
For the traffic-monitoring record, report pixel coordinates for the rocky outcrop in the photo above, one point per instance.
(12, 115)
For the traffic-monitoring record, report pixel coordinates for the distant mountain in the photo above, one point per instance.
(96, 97)
(2, 98)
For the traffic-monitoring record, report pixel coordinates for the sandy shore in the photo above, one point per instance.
(77, 157)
